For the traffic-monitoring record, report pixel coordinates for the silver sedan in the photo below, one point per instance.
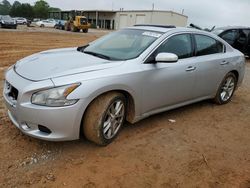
(128, 75)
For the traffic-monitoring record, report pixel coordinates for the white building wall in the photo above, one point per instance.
(169, 18)
(130, 18)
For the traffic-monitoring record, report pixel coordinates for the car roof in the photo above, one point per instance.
(165, 29)
(232, 27)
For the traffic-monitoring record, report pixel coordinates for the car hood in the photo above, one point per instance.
(60, 62)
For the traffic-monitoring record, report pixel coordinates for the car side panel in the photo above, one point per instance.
(209, 74)
(166, 84)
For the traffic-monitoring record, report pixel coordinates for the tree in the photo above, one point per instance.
(6, 4)
(54, 9)
(5, 7)
(21, 10)
(15, 9)
(41, 9)
(26, 11)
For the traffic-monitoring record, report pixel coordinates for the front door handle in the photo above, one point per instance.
(190, 68)
(224, 63)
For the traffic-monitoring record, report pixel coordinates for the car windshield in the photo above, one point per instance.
(122, 45)
(6, 17)
(217, 31)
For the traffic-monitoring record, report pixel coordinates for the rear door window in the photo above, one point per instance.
(206, 45)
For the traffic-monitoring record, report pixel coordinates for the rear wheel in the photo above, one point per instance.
(85, 30)
(42, 25)
(104, 118)
(226, 89)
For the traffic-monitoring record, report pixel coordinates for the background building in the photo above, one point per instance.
(106, 19)
(130, 18)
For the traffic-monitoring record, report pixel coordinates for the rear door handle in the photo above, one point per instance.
(224, 63)
(190, 68)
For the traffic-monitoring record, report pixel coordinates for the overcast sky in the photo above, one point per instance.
(205, 13)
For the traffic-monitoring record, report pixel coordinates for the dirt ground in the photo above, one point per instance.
(207, 146)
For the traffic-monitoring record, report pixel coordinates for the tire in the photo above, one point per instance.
(226, 89)
(102, 111)
(41, 25)
(73, 28)
(85, 30)
(66, 28)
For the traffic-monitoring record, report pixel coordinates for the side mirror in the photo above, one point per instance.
(166, 58)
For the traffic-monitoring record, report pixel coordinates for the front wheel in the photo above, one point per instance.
(226, 89)
(104, 118)
(73, 28)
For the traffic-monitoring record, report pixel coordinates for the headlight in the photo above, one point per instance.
(3, 22)
(55, 97)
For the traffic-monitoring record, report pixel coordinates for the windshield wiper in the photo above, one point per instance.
(82, 48)
(98, 55)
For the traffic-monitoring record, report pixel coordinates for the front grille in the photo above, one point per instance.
(11, 91)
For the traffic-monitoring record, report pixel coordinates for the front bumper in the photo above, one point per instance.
(9, 25)
(63, 122)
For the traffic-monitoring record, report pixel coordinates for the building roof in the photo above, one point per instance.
(164, 11)
(109, 11)
(125, 11)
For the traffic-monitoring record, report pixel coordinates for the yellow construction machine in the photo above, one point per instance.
(77, 23)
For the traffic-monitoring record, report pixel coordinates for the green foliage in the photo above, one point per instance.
(21, 10)
(39, 10)
(15, 9)
(54, 9)
(6, 4)
(26, 11)
(5, 7)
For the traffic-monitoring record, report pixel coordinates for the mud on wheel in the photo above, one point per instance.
(104, 118)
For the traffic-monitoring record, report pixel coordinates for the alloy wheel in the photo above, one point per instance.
(113, 119)
(227, 89)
